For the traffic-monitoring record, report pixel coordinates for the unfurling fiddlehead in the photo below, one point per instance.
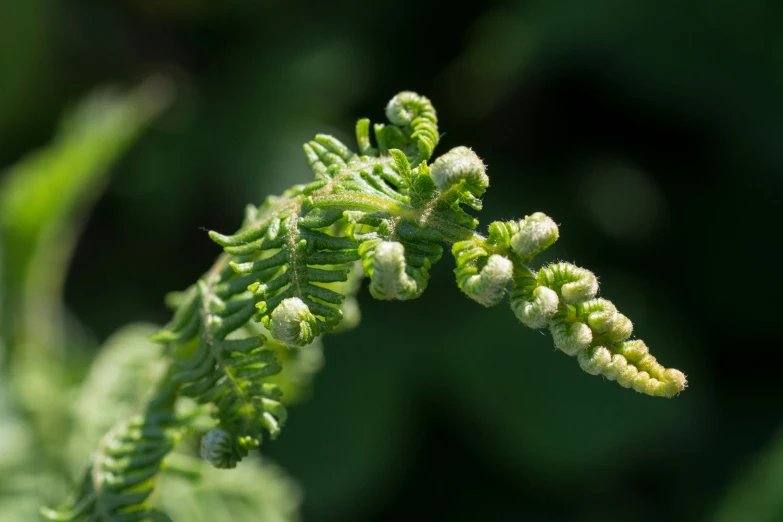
(388, 212)
(119, 481)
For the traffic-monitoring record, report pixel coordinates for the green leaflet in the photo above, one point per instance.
(385, 207)
(120, 382)
(389, 208)
(228, 373)
(121, 477)
(139, 452)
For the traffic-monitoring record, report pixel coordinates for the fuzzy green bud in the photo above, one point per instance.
(403, 107)
(594, 360)
(573, 283)
(292, 324)
(621, 329)
(537, 232)
(570, 336)
(537, 310)
(489, 285)
(217, 448)
(416, 115)
(460, 165)
(599, 314)
(630, 364)
(390, 279)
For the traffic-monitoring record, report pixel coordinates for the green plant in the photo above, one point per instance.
(50, 423)
(289, 275)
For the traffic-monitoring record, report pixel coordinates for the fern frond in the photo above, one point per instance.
(119, 481)
(120, 382)
(385, 208)
(414, 124)
(226, 372)
(396, 212)
(399, 212)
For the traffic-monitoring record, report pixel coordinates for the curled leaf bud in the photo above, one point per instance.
(621, 329)
(460, 164)
(490, 283)
(574, 284)
(636, 351)
(536, 310)
(292, 323)
(537, 233)
(390, 279)
(594, 360)
(403, 108)
(501, 232)
(675, 383)
(599, 314)
(217, 448)
(632, 366)
(415, 115)
(571, 337)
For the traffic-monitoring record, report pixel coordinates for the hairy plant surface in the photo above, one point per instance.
(289, 275)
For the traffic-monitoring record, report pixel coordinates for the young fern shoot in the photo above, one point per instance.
(383, 209)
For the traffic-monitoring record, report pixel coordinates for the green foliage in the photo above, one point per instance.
(289, 266)
(120, 382)
(41, 194)
(253, 491)
(638, 126)
(122, 474)
(129, 457)
(43, 199)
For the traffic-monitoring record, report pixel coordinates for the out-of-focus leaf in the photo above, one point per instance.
(757, 493)
(43, 201)
(252, 492)
(120, 382)
(43, 196)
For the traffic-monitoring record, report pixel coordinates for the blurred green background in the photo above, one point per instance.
(650, 131)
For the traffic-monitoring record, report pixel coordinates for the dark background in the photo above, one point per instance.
(650, 131)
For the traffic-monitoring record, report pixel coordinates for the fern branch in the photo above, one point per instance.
(288, 267)
(119, 481)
